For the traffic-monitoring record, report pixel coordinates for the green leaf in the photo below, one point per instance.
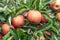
(21, 11)
(6, 36)
(14, 34)
(53, 37)
(9, 20)
(20, 33)
(32, 38)
(10, 38)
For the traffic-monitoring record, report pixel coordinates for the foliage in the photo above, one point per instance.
(11, 8)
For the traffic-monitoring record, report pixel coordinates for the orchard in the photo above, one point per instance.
(29, 19)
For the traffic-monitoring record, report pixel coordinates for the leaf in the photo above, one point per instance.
(9, 20)
(36, 3)
(10, 38)
(20, 33)
(6, 36)
(8, 1)
(54, 37)
(30, 3)
(20, 11)
(32, 38)
(14, 34)
(2, 19)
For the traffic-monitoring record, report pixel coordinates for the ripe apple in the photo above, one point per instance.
(5, 28)
(34, 16)
(58, 16)
(25, 13)
(47, 32)
(0, 35)
(43, 19)
(55, 5)
(11, 26)
(18, 21)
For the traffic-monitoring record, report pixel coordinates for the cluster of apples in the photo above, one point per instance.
(33, 16)
(18, 21)
(55, 5)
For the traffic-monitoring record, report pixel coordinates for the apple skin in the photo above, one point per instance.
(5, 28)
(1, 35)
(11, 26)
(55, 5)
(47, 32)
(34, 16)
(18, 21)
(43, 19)
(58, 16)
(25, 14)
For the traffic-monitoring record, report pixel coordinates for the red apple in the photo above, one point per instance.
(43, 19)
(0, 36)
(34, 16)
(18, 21)
(11, 26)
(58, 16)
(48, 32)
(5, 28)
(25, 13)
(55, 5)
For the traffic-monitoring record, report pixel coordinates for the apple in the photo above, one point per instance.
(25, 13)
(34, 16)
(11, 26)
(43, 19)
(55, 5)
(18, 21)
(47, 32)
(5, 28)
(0, 35)
(58, 16)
